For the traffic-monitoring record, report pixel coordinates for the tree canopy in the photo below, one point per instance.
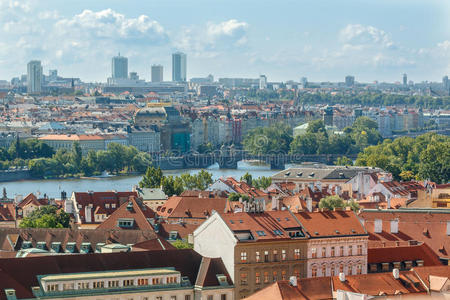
(269, 140)
(46, 217)
(424, 157)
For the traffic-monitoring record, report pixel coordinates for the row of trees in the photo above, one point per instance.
(424, 157)
(278, 139)
(175, 185)
(117, 158)
(375, 99)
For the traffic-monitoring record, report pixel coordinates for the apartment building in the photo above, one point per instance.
(143, 275)
(337, 243)
(257, 247)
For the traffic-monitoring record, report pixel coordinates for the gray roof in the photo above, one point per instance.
(151, 194)
(322, 173)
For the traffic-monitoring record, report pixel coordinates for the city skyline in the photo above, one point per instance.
(321, 41)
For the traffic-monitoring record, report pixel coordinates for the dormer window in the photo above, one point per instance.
(106, 205)
(125, 223)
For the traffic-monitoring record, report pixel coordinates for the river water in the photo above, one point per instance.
(53, 188)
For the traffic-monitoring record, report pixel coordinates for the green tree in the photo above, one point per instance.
(343, 161)
(180, 244)
(77, 155)
(435, 162)
(247, 177)
(46, 217)
(331, 202)
(262, 182)
(172, 185)
(203, 180)
(152, 178)
(269, 140)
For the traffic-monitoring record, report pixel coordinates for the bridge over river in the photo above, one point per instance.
(229, 159)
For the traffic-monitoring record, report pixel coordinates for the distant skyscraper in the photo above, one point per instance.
(157, 73)
(445, 82)
(349, 80)
(34, 77)
(262, 82)
(179, 67)
(119, 67)
(304, 81)
(405, 79)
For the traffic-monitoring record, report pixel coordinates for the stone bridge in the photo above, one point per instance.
(230, 159)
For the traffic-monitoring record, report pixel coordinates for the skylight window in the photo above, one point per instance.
(231, 221)
(278, 219)
(260, 233)
(277, 232)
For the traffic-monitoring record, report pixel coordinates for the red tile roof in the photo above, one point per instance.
(378, 284)
(306, 289)
(331, 223)
(132, 209)
(425, 272)
(269, 225)
(191, 207)
(241, 187)
(403, 253)
(428, 226)
(97, 199)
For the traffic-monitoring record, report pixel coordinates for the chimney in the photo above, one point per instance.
(342, 277)
(309, 204)
(396, 273)
(293, 280)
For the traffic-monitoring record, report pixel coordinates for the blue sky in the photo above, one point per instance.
(320, 39)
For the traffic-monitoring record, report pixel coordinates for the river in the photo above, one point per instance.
(53, 188)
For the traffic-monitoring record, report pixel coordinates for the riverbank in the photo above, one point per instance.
(54, 187)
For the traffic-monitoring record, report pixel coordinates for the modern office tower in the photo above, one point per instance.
(157, 73)
(304, 81)
(119, 67)
(349, 80)
(445, 83)
(179, 67)
(262, 82)
(405, 79)
(34, 77)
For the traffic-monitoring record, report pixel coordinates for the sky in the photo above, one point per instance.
(323, 40)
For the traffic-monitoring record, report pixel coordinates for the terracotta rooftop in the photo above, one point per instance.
(269, 225)
(191, 207)
(403, 253)
(331, 223)
(307, 289)
(379, 284)
(134, 209)
(423, 225)
(71, 137)
(102, 199)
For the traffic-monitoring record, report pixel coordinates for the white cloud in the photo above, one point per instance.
(108, 24)
(212, 39)
(360, 35)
